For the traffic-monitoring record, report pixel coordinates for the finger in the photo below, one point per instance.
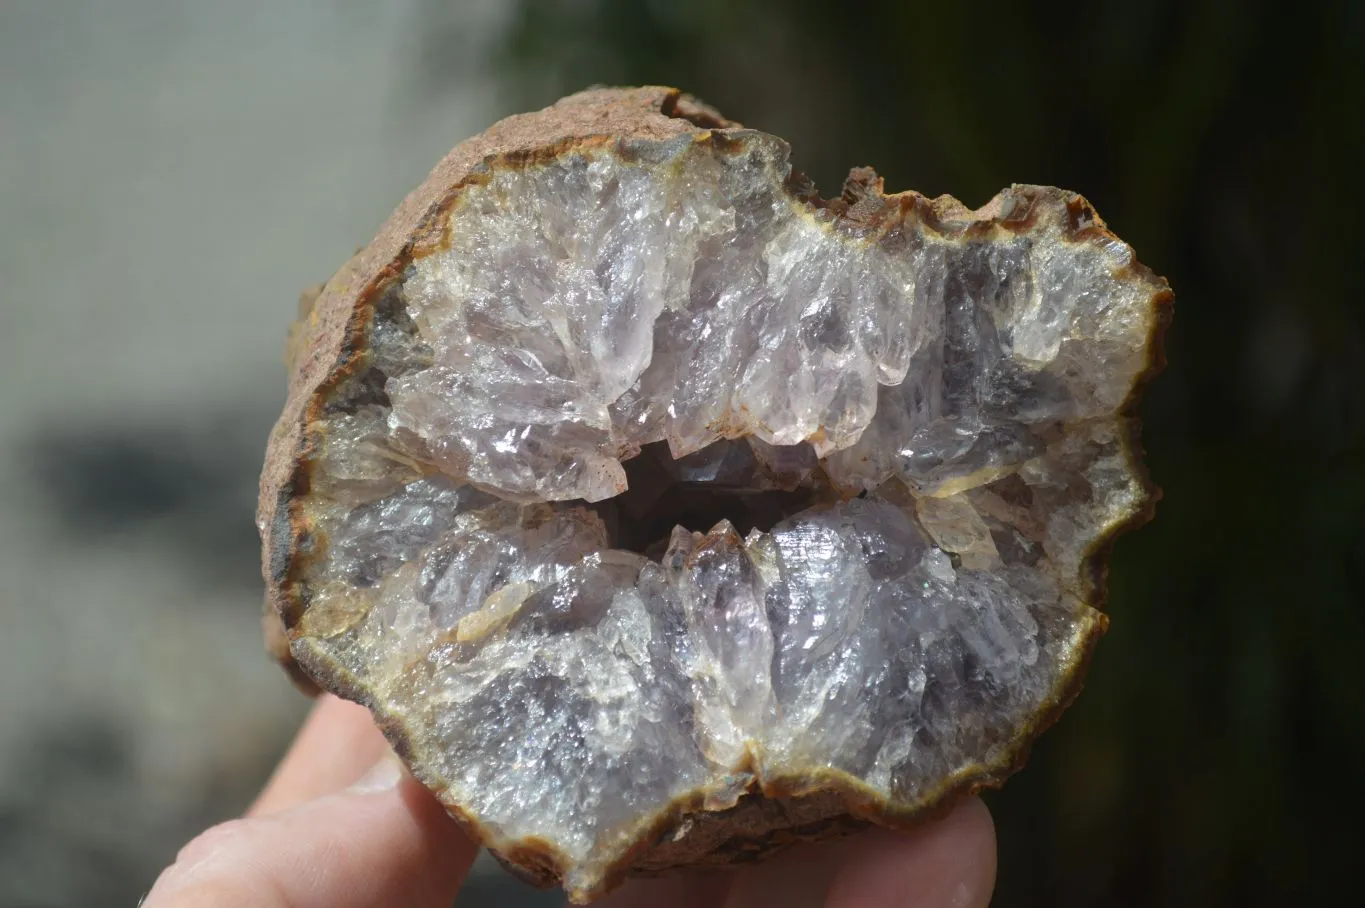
(337, 743)
(385, 841)
(947, 864)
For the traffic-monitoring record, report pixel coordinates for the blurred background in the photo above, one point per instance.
(173, 173)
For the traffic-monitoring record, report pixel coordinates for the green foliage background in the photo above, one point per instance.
(1216, 755)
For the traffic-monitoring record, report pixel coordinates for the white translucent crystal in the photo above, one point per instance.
(964, 389)
(594, 304)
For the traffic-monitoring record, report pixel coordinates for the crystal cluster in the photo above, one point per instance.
(659, 486)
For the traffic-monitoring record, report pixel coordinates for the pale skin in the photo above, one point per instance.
(341, 825)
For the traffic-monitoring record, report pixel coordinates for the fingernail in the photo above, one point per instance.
(382, 776)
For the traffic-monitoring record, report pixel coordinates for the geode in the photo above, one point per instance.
(665, 513)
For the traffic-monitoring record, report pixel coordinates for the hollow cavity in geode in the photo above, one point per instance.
(663, 512)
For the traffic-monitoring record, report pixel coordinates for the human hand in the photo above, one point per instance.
(325, 833)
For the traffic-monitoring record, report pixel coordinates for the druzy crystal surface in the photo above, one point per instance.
(660, 486)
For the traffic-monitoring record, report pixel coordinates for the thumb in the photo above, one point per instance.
(384, 841)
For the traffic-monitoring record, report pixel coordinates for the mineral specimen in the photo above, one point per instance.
(664, 513)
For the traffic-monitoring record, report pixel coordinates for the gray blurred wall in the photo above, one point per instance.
(171, 175)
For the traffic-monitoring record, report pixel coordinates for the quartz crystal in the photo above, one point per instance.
(664, 513)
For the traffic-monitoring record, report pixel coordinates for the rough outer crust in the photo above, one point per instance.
(327, 346)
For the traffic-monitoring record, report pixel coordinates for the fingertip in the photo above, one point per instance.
(378, 844)
(337, 743)
(949, 863)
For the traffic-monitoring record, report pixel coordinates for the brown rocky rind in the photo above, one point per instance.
(330, 346)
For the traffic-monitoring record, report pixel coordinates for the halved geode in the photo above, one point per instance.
(664, 513)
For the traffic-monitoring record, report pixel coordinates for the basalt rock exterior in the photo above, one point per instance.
(664, 513)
